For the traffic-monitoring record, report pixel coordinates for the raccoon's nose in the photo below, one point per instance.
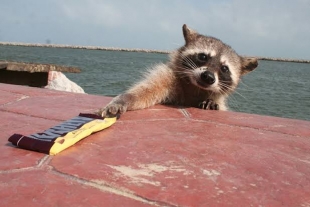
(207, 77)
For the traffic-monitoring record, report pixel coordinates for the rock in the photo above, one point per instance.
(58, 81)
(36, 67)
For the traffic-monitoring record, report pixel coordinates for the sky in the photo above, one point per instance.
(267, 28)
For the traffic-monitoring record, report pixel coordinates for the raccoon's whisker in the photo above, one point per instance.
(231, 89)
(188, 60)
(187, 64)
(183, 70)
(233, 100)
(236, 92)
(247, 88)
(183, 73)
(224, 92)
(242, 89)
(244, 84)
(225, 86)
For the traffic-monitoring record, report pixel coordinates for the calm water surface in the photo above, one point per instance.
(275, 88)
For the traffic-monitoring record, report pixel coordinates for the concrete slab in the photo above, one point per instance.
(161, 156)
(15, 158)
(44, 188)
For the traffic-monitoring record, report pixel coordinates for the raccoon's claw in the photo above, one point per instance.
(111, 110)
(209, 105)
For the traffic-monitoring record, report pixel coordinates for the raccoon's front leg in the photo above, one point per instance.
(209, 105)
(157, 87)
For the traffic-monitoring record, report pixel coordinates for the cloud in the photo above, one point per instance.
(93, 12)
(276, 28)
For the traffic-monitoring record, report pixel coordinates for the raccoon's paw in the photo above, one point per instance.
(209, 105)
(112, 110)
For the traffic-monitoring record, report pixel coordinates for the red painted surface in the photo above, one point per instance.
(161, 156)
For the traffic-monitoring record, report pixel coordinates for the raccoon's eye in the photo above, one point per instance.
(224, 69)
(202, 57)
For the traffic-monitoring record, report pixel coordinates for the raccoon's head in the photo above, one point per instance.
(210, 64)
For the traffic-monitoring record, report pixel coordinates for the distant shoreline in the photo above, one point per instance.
(82, 47)
(130, 50)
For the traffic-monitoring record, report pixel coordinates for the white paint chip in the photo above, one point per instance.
(145, 173)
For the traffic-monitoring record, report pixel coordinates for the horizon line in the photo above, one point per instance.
(133, 50)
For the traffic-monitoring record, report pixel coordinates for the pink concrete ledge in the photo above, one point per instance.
(160, 156)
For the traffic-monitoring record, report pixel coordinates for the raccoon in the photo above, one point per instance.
(201, 74)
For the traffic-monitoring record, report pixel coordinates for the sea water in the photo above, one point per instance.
(275, 88)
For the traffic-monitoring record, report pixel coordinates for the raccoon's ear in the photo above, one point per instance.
(248, 64)
(189, 34)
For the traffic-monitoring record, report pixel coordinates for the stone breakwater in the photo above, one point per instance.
(284, 59)
(39, 75)
(130, 50)
(83, 47)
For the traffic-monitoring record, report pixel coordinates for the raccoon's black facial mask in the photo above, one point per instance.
(225, 77)
(195, 61)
